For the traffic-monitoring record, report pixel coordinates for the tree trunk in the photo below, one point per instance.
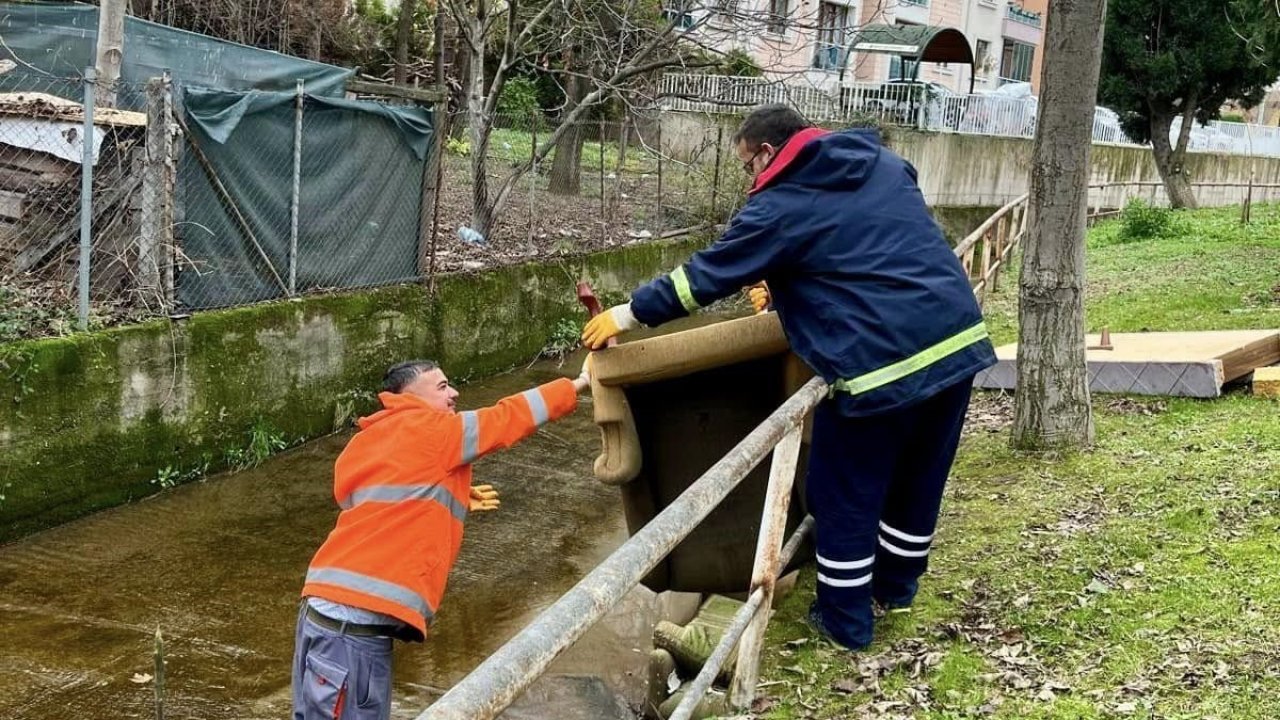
(404, 34)
(481, 210)
(1052, 403)
(566, 169)
(1170, 160)
(110, 51)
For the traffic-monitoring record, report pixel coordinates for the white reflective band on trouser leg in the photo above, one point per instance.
(837, 582)
(904, 536)
(852, 565)
(902, 553)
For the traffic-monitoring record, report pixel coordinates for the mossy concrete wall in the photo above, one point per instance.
(100, 419)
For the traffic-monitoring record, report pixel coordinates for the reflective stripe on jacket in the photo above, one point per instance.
(404, 483)
(869, 293)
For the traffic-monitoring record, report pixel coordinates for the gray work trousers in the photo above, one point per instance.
(338, 676)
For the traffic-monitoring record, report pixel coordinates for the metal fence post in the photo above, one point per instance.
(86, 195)
(715, 178)
(661, 225)
(533, 170)
(297, 189)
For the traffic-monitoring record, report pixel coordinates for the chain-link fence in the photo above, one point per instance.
(43, 148)
(283, 194)
(218, 198)
(595, 184)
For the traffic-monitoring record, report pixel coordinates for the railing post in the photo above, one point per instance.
(764, 574)
(1002, 238)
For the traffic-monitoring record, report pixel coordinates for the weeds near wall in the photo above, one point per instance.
(264, 440)
(563, 340)
(16, 366)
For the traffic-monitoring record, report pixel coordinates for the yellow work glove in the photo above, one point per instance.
(483, 497)
(610, 323)
(760, 298)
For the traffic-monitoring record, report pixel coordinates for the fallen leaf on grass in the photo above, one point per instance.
(140, 678)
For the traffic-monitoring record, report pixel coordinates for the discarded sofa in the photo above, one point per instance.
(668, 408)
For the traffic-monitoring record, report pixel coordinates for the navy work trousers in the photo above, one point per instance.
(337, 676)
(874, 488)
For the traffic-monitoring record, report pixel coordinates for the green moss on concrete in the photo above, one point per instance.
(958, 222)
(96, 420)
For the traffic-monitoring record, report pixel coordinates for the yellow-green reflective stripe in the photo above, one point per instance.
(683, 291)
(919, 361)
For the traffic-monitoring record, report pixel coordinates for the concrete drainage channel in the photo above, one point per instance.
(217, 566)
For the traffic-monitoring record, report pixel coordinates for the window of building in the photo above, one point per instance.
(777, 23)
(679, 12)
(833, 36)
(902, 67)
(1016, 62)
(981, 54)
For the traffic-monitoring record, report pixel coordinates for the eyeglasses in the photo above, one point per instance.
(747, 166)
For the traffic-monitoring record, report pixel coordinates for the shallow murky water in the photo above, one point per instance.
(218, 565)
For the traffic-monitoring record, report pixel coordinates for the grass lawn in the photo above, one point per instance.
(1140, 579)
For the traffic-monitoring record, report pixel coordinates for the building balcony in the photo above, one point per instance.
(912, 11)
(1023, 26)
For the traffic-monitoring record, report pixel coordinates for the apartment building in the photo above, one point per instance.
(809, 39)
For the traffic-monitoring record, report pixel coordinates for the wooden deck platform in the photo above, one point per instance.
(1186, 364)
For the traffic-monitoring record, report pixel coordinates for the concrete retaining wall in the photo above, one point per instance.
(99, 419)
(986, 171)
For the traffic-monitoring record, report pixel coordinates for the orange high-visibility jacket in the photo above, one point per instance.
(403, 483)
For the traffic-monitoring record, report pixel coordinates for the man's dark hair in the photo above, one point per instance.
(401, 374)
(774, 124)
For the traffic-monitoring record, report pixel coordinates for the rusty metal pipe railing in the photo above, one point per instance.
(492, 686)
(737, 627)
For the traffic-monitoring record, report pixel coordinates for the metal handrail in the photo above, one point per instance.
(500, 679)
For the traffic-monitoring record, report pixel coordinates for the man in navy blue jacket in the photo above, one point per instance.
(874, 300)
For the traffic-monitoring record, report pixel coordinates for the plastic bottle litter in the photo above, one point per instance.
(467, 235)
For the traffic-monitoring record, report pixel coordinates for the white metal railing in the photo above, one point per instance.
(1232, 137)
(920, 105)
(1023, 16)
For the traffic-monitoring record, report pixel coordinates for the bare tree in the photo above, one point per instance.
(1052, 407)
(404, 37)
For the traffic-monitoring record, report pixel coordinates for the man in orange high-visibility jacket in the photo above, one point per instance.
(404, 486)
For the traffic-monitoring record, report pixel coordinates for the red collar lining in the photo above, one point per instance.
(786, 155)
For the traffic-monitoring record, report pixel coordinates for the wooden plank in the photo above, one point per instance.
(43, 106)
(12, 204)
(1244, 360)
(420, 95)
(35, 161)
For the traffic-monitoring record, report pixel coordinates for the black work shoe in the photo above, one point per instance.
(880, 609)
(814, 620)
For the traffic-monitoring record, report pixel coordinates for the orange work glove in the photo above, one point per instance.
(760, 297)
(483, 497)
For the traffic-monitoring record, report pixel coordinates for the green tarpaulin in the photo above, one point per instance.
(360, 193)
(51, 43)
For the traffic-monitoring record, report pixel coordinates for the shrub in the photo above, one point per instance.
(519, 99)
(1142, 221)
